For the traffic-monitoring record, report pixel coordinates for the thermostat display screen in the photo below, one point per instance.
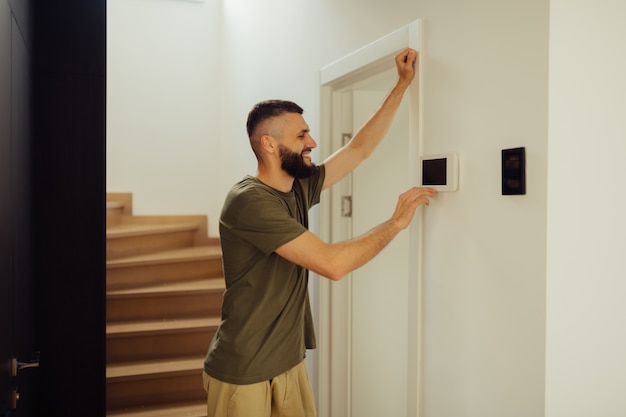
(440, 171)
(434, 171)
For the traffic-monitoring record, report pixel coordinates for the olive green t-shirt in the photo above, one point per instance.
(266, 322)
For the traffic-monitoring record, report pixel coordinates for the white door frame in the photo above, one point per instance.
(334, 339)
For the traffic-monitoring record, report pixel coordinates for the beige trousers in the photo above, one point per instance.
(287, 395)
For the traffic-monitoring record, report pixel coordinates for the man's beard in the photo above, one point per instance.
(294, 164)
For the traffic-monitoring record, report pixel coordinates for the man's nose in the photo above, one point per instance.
(311, 143)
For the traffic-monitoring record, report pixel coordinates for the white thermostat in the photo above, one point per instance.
(440, 171)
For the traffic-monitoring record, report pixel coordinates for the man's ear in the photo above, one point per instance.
(268, 144)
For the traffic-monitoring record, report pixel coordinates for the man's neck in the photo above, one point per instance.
(278, 180)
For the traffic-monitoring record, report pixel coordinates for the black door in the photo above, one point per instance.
(52, 206)
(6, 327)
(17, 289)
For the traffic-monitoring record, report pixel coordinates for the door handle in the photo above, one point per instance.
(346, 206)
(16, 365)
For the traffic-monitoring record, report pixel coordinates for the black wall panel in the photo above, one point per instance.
(69, 200)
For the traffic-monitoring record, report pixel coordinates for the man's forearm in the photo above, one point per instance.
(354, 253)
(375, 128)
(338, 259)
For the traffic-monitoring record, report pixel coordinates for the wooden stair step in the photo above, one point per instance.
(131, 341)
(191, 409)
(170, 256)
(147, 369)
(123, 329)
(175, 287)
(136, 239)
(149, 383)
(198, 298)
(185, 264)
(130, 230)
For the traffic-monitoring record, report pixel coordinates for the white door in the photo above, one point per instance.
(369, 321)
(379, 347)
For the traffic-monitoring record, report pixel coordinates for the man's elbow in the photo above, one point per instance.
(333, 271)
(331, 263)
(334, 276)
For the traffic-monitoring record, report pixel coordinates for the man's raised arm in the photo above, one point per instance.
(363, 143)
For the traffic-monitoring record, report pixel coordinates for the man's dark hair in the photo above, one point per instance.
(268, 109)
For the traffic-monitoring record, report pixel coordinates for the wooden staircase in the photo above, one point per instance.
(164, 296)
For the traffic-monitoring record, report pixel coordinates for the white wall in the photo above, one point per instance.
(586, 364)
(163, 104)
(486, 68)
(485, 90)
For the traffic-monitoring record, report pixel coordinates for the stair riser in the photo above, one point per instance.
(114, 216)
(158, 346)
(139, 245)
(162, 306)
(149, 392)
(137, 276)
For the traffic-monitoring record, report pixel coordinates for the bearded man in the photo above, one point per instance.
(255, 363)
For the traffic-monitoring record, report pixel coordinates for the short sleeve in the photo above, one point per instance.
(262, 219)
